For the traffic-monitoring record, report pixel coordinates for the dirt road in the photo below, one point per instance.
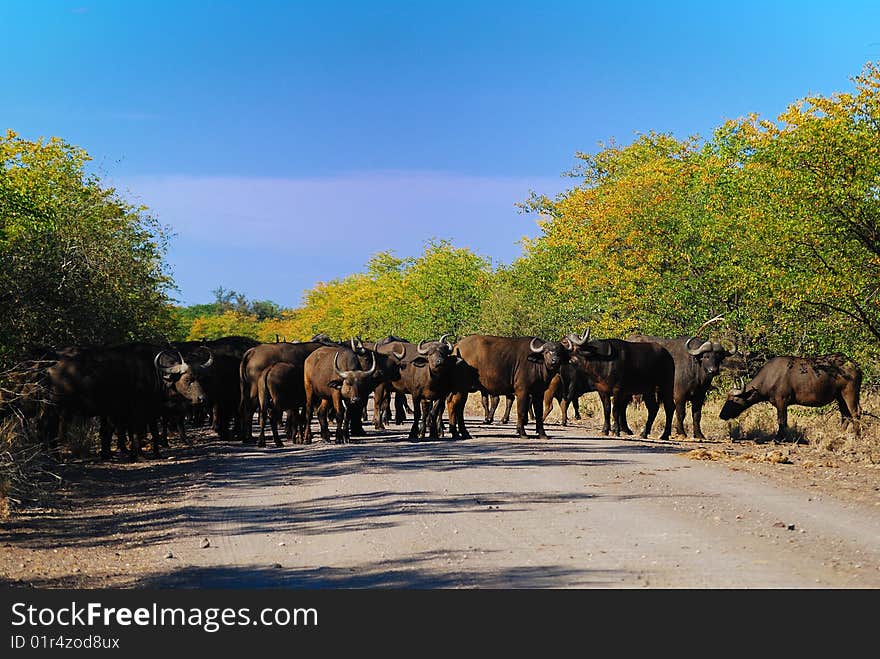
(577, 511)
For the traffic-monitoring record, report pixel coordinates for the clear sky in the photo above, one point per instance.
(286, 142)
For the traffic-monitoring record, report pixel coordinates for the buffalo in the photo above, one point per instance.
(334, 376)
(255, 361)
(697, 362)
(282, 388)
(519, 366)
(809, 381)
(621, 369)
(424, 371)
(127, 386)
(221, 383)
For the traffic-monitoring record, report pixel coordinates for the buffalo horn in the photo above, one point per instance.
(422, 351)
(567, 343)
(342, 374)
(373, 367)
(742, 387)
(443, 338)
(177, 368)
(705, 347)
(402, 352)
(210, 361)
(580, 340)
(532, 346)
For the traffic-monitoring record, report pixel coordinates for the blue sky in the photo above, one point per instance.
(285, 142)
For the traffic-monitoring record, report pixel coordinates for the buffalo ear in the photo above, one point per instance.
(419, 361)
(335, 384)
(536, 357)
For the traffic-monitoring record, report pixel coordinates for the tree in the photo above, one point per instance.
(78, 264)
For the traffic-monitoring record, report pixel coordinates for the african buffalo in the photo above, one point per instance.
(621, 369)
(221, 384)
(809, 381)
(424, 371)
(255, 361)
(334, 376)
(696, 363)
(282, 388)
(521, 366)
(128, 386)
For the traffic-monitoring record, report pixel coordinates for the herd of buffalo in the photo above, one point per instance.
(134, 388)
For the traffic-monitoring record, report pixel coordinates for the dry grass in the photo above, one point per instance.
(817, 428)
(26, 472)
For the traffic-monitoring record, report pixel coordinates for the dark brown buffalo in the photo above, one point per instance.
(424, 371)
(464, 380)
(697, 362)
(621, 369)
(518, 366)
(382, 403)
(335, 376)
(282, 389)
(254, 362)
(809, 381)
(128, 386)
(222, 383)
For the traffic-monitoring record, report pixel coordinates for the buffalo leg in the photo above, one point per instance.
(653, 406)
(606, 412)
(323, 413)
(782, 418)
(121, 434)
(563, 407)
(455, 409)
(539, 419)
(522, 414)
(425, 412)
(697, 416)
(106, 433)
(417, 429)
(507, 408)
(427, 429)
(436, 420)
(577, 408)
(549, 396)
(246, 418)
(624, 425)
(378, 407)
(680, 410)
(340, 410)
(264, 416)
(355, 425)
(668, 410)
(274, 417)
(490, 404)
(618, 404)
(848, 400)
(310, 410)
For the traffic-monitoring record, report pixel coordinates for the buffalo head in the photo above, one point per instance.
(355, 385)
(550, 353)
(708, 354)
(182, 379)
(436, 355)
(738, 400)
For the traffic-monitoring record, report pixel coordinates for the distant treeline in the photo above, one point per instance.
(774, 225)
